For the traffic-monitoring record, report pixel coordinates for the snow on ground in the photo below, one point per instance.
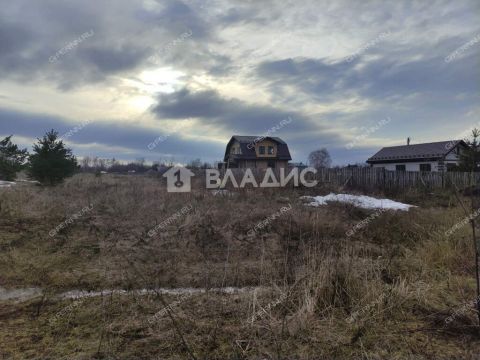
(19, 294)
(78, 294)
(362, 201)
(6, 183)
(24, 294)
(29, 181)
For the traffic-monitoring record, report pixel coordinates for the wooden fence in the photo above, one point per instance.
(370, 178)
(382, 179)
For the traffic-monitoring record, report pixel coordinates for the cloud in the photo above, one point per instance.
(124, 38)
(109, 60)
(134, 139)
(391, 73)
(228, 113)
(177, 17)
(13, 39)
(246, 66)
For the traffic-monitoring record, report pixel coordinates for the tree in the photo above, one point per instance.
(12, 159)
(195, 164)
(85, 162)
(51, 162)
(320, 159)
(470, 158)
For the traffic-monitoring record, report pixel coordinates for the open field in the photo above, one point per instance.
(300, 287)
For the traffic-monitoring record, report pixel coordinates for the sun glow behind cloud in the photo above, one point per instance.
(243, 68)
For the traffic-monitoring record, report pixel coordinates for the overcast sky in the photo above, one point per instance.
(352, 76)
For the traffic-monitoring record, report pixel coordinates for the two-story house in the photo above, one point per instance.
(256, 152)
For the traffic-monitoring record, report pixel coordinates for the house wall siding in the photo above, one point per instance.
(266, 144)
(239, 154)
(409, 166)
(261, 164)
(450, 158)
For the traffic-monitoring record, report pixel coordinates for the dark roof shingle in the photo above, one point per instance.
(417, 151)
(248, 152)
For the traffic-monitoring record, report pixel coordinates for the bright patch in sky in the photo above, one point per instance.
(215, 68)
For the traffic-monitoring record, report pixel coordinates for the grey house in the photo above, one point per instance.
(437, 156)
(256, 152)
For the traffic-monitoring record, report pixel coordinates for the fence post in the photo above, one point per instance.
(384, 179)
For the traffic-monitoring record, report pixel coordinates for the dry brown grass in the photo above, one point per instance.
(399, 278)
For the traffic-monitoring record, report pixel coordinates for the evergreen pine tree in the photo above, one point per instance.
(51, 161)
(470, 158)
(12, 159)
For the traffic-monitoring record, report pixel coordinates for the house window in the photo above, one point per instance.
(271, 164)
(452, 167)
(270, 150)
(426, 167)
(261, 150)
(400, 167)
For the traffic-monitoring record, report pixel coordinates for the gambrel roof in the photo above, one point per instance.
(248, 152)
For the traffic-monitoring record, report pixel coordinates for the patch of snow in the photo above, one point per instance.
(19, 294)
(7, 183)
(78, 294)
(362, 201)
(29, 181)
(24, 294)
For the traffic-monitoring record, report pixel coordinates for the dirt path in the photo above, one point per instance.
(25, 294)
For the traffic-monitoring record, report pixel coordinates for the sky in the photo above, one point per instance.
(173, 80)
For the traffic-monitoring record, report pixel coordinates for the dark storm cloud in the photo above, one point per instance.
(109, 133)
(405, 76)
(13, 38)
(303, 133)
(241, 14)
(136, 138)
(36, 31)
(231, 114)
(125, 35)
(15, 43)
(113, 60)
(311, 76)
(392, 73)
(177, 16)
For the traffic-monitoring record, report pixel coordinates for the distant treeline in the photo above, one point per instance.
(96, 164)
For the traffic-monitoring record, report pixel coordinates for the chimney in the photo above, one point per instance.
(408, 141)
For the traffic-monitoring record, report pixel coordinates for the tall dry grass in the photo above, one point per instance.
(374, 294)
